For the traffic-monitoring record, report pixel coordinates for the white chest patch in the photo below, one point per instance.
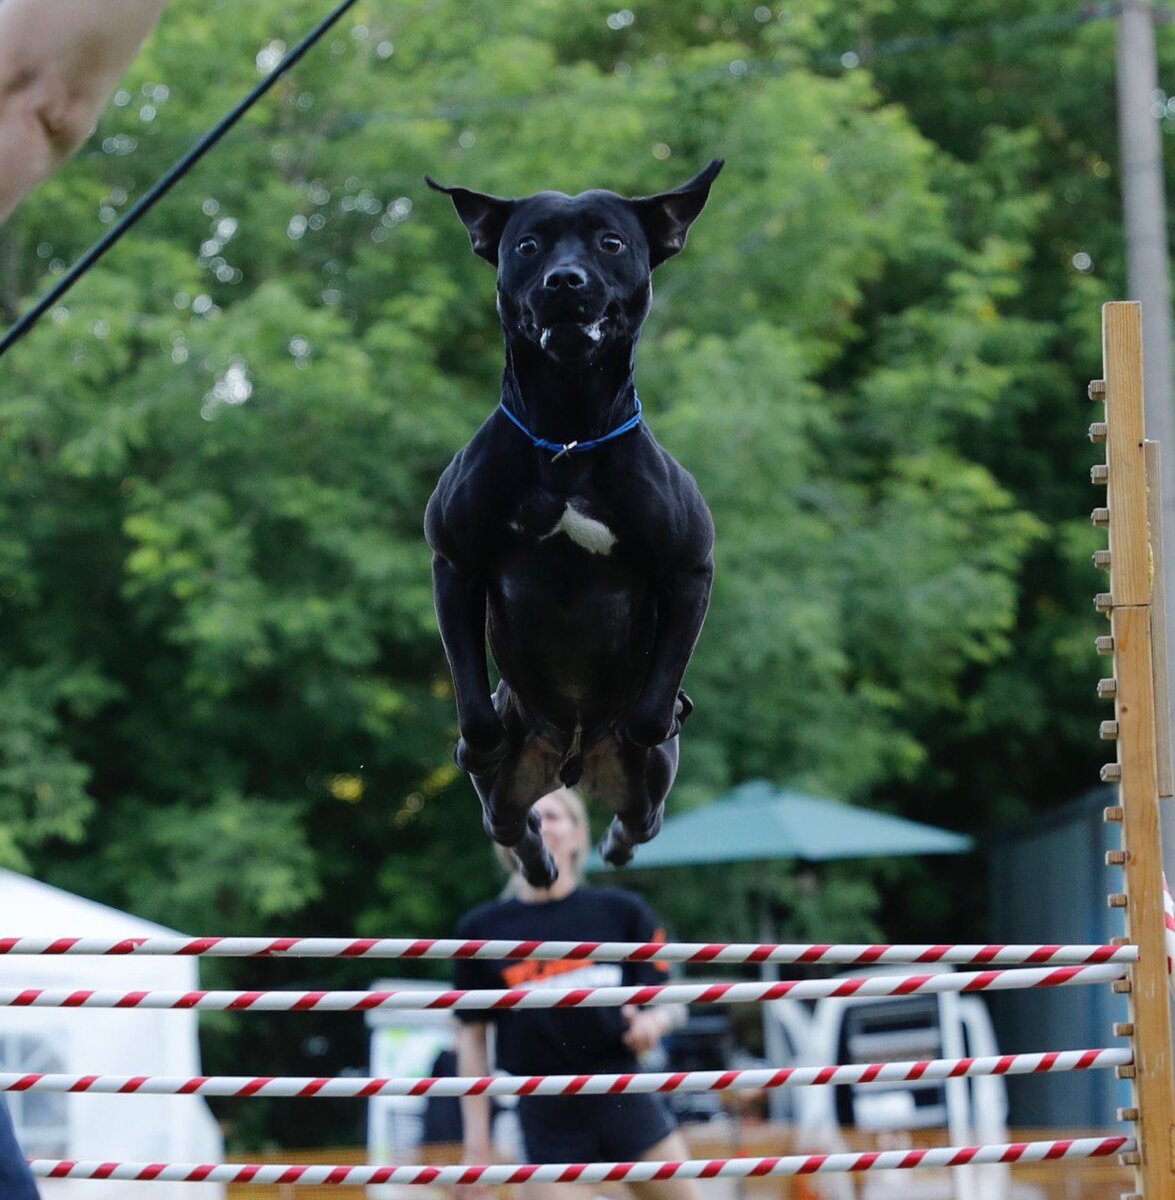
(594, 536)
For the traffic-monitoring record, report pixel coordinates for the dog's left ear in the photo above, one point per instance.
(666, 218)
(484, 216)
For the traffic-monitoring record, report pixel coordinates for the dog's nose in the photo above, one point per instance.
(566, 277)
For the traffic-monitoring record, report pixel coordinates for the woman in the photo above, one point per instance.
(570, 1129)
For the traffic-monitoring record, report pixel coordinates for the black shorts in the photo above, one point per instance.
(577, 1129)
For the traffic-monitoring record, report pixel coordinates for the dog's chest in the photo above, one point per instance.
(559, 520)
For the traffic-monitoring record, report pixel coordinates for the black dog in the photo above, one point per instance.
(564, 532)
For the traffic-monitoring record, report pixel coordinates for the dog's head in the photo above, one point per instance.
(574, 271)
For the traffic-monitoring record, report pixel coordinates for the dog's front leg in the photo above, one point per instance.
(460, 599)
(681, 609)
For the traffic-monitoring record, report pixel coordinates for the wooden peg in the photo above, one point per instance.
(1097, 389)
(1123, 1028)
(1128, 1114)
(1103, 602)
(1100, 517)
(1116, 900)
(1130, 1196)
(1111, 773)
(1115, 858)
(1125, 1072)
(1121, 941)
(1099, 473)
(1122, 986)
(1101, 559)
(1112, 814)
(1098, 431)
(1131, 1158)
(1107, 689)
(1108, 731)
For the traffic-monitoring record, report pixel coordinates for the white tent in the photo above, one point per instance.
(100, 1041)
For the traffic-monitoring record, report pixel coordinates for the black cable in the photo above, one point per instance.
(164, 184)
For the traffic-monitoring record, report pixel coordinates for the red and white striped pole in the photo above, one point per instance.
(598, 997)
(740, 1168)
(569, 1085)
(667, 952)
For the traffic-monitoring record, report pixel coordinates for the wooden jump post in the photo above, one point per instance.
(1141, 731)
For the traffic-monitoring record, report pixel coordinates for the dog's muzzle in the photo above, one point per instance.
(567, 324)
(571, 333)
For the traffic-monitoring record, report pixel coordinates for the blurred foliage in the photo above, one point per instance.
(223, 702)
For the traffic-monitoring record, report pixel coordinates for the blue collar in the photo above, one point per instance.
(561, 448)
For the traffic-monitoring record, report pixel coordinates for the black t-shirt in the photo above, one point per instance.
(545, 1041)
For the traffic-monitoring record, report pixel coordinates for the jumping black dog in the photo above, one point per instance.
(564, 532)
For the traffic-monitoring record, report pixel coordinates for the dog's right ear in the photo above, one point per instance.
(666, 218)
(484, 216)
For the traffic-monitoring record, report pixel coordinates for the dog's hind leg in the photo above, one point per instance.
(529, 771)
(508, 817)
(633, 782)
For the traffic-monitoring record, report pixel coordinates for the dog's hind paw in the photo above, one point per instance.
(542, 878)
(616, 851)
(539, 873)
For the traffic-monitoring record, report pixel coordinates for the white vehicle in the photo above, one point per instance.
(843, 1030)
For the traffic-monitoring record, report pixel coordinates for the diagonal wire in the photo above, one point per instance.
(147, 201)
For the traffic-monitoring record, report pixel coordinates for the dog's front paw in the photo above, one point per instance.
(482, 747)
(649, 731)
(480, 761)
(649, 727)
(645, 734)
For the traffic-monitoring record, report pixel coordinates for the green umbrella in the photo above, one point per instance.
(759, 820)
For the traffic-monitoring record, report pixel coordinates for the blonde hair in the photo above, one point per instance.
(576, 809)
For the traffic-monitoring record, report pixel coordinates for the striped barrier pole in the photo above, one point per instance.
(548, 997)
(496, 1176)
(570, 1085)
(676, 952)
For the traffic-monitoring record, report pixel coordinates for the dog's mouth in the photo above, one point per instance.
(561, 333)
(578, 335)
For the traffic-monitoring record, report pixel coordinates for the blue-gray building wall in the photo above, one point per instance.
(1049, 884)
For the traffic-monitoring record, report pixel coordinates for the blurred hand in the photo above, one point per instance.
(645, 1028)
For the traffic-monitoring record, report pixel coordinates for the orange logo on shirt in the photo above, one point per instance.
(530, 970)
(659, 938)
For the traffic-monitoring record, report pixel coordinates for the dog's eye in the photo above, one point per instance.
(528, 246)
(611, 244)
